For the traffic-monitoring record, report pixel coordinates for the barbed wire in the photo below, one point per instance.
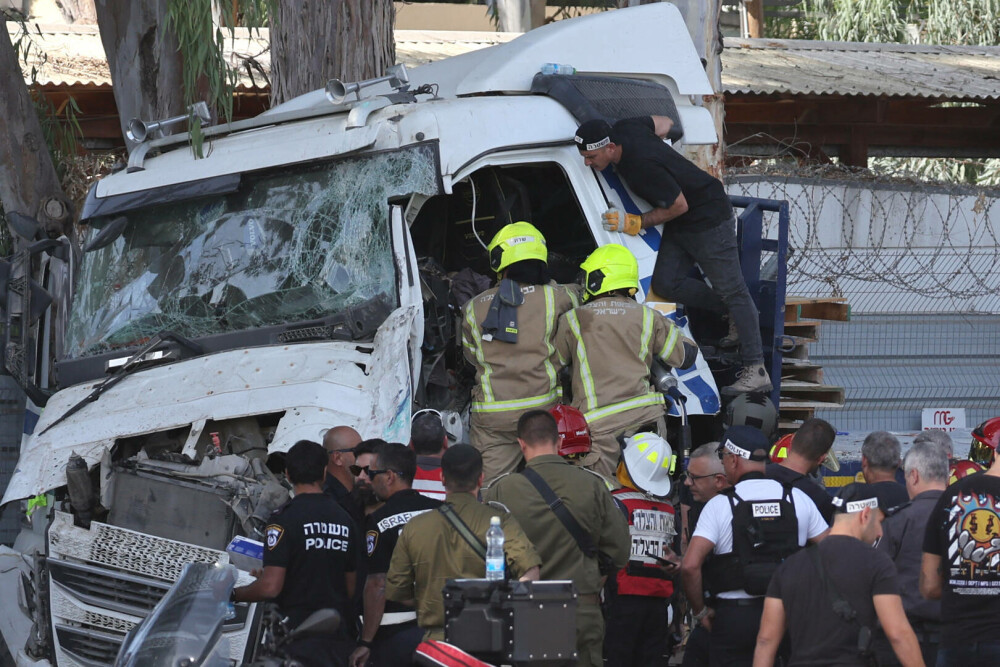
(862, 232)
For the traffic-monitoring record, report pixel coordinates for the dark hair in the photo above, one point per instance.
(461, 467)
(398, 458)
(529, 271)
(368, 446)
(305, 462)
(538, 427)
(814, 438)
(427, 434)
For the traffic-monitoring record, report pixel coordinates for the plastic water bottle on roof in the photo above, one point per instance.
(556, 68)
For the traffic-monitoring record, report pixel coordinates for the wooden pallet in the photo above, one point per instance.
(834, 308)
(797, 391)
(802, 388)
(803, 372)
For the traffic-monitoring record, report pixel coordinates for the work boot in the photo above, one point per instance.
(732, 338)
(749, 378)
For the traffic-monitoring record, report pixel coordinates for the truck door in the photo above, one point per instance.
(408, 283)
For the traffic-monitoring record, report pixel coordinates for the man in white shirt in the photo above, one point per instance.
(742, 535)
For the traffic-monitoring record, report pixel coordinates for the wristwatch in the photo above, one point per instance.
(362, 642)
(701, 614)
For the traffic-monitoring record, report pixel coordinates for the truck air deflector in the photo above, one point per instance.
(609, 98)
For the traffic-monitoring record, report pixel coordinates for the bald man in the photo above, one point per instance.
(339, 443)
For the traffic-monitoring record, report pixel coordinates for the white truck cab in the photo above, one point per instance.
(228, 306)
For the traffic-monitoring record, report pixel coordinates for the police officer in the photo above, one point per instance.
(507, 336)
(610, 342)
(339, 443)
(571, 548)
(741, 537)
(637, 629)
(434, 548)
(309, 558)
(389, 632)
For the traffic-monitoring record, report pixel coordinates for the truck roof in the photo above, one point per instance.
(483, 102)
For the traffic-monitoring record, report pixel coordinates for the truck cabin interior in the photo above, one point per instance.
(453, 261)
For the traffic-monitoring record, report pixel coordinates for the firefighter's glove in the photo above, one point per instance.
(615, 220)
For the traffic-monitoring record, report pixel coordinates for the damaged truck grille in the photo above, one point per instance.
(105, 580)
(105, 588)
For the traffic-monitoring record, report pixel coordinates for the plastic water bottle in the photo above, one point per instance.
(494, 551)
(556, 68)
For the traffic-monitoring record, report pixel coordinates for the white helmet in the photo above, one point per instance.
(649, 461)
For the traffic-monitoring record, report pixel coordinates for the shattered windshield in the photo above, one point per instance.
(291, 245)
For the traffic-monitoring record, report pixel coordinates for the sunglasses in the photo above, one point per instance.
(425, 411)
(695, 478)
(370, 473)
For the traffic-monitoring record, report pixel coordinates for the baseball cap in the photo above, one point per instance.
(743, 441)
(592, 135)
(856, 496)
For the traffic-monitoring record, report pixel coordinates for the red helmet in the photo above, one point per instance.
(780, 450)
(985, 439)
(574, 434)
(960, 469)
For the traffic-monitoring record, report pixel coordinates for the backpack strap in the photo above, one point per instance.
(448, 512)
(555, 503)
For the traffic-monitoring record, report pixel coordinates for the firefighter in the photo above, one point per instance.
(610, 343)
(637, 623)
(985, 438)
(742, 535)
(507, 334)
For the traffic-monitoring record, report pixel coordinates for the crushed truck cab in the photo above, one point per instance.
(302, 274)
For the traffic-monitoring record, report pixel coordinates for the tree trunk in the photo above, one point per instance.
(313, 42)
(28, 181)
(143, 58)
(702, 19)
(78, 11)
(514, 15)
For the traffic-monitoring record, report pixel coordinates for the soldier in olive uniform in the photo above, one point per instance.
(592, 509)
(431, 550)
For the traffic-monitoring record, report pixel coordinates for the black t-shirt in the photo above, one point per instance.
(317, 542)
(383, 528)
(658, 173)
(334, 488)
(963, 529)
(894, 493)
(816, 493)
(819, 636)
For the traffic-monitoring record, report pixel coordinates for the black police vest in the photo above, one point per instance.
(765, 533)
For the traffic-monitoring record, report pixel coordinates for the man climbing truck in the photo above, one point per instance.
(223, 308)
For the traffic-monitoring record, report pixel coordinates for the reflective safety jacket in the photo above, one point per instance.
(610, 343)
(517, 376)
(651, 524)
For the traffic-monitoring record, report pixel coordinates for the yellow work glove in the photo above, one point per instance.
(615, 220)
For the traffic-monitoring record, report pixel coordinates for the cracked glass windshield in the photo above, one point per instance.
(288, 246)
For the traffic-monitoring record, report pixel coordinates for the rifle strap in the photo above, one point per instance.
(463, 529)
(555, 503)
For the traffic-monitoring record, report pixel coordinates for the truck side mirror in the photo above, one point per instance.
(107, 234)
